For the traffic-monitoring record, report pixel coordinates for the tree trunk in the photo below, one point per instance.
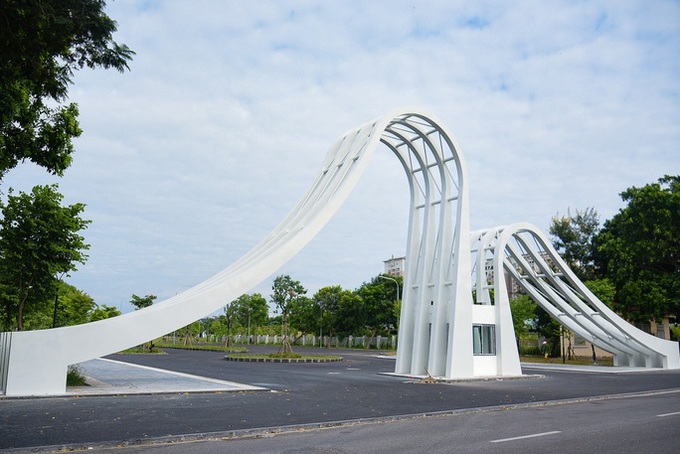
(285, 342)
(20, 316)
(227, 342)
(187, 337)
(370, 340)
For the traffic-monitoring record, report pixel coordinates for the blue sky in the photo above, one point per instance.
(192, 157)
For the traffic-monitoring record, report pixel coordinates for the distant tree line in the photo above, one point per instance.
(370, 310)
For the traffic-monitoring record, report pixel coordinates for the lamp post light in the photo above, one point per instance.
(393, 280)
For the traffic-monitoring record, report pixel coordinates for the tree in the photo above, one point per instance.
(379, 298)
(189, 332)
(39, 240)
(74, 308)
(351, 316)
(603, 289)
(638, 250)
(327, 299)
(523, 314)
(42, 44)
(551, 330)
(140, 302)
(102, 312)
(342, 311)
(304, 316)
(229, 319)
(574, 240)
(218, 326)
(284, 291)
(251, 311)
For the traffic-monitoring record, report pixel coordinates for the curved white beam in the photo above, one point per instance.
(35, 362)
(550, 282)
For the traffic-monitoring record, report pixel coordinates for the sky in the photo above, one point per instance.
(192, 157)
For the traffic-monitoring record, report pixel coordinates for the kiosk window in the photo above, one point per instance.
(484, 339)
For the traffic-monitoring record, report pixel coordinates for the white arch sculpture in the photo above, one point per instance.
(438, 314)
(526, 254)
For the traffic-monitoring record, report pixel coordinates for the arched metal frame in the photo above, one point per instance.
(525, 253)
(438, 313)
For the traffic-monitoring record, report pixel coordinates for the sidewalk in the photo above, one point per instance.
(110, 377)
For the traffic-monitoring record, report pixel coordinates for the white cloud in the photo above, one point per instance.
(193, 156)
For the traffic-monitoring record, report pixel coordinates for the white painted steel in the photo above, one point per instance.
(524, 252)
(435, 334)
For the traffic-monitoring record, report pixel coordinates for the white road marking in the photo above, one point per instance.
(668, 414)
(526, 436)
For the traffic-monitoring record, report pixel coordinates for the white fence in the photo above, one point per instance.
(378, 342)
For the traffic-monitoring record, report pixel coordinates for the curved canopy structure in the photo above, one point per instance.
(442, 332)
(525, 253)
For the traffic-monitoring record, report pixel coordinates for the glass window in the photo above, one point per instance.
(484, 339)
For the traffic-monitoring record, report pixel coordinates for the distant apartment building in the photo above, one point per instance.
(395, 266)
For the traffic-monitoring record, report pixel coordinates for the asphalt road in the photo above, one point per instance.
(304, 394)
(632, 425)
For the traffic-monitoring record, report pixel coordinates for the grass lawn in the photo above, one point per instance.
(284, 356)
(578, 361)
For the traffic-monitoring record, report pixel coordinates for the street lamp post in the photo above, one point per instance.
(393, 280)
(321, 327)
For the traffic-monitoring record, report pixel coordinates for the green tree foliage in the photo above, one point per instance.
(603, 289)
(351, 316)
(229, 320)
(42, 43)
(284, 291)
(573, 240)
(327, 299)
(675, 333)
(218, 326)
(39, 240)
(305, 316)
(341, 310)
(190, 332)
(251, 311)
(550, 329)
(73, 306)
(379, 298)
(638, 249)
(102, 312)
(523, 314)
(140, 302)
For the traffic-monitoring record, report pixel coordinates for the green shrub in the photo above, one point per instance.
(142, 349)
(286, 355)
(74, 377)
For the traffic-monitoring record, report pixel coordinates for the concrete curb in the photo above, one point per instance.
(282, 360)
(278, 430)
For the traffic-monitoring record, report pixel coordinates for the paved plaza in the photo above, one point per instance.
(147, 400)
